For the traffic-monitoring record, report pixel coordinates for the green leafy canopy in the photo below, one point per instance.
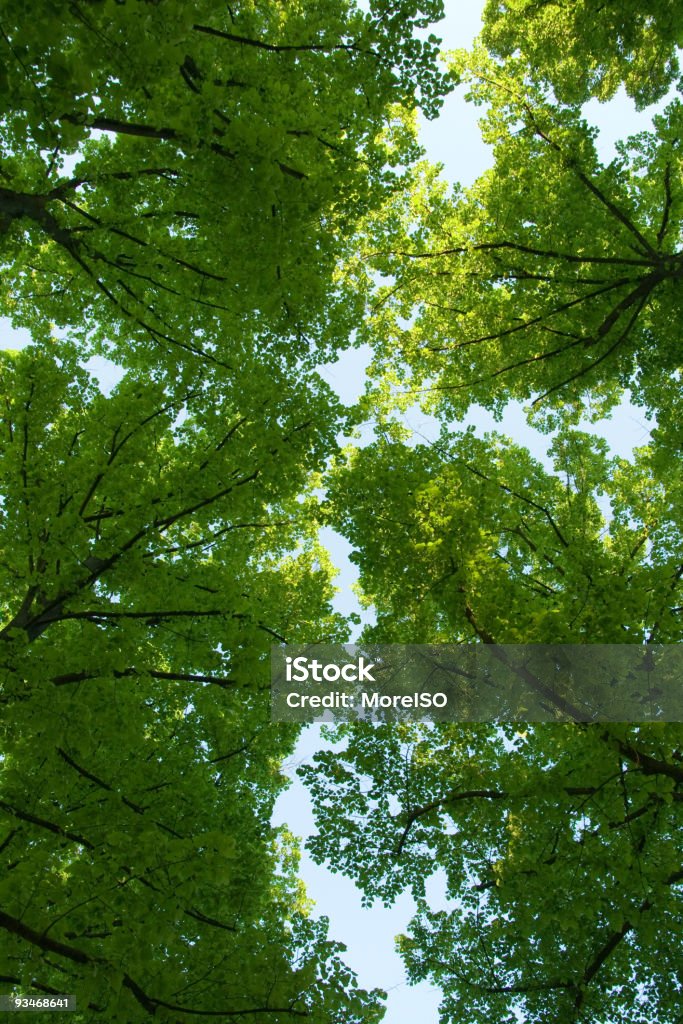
(178, 185)
(218, 199)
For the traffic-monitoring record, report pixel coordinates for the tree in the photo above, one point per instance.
(177, 185)
(558, 874)
(553, 279)
(583, 49)
(147, 567)
(217, 161)
(556, 847)
(543, 858)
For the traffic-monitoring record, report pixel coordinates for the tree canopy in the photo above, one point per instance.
(146, 569)
(472, 540)
(544, 859)
(218, 201)
(553, 279)
(178, 185)
(585, 49)
(217, 159)
(558, 859)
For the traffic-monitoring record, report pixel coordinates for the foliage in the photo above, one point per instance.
(585, 49)
(556, 844)
(155, 561)
(214, 198)
(544, 860)
(180, 178)
(553, 278)
(472, 540)
(178, 183)
(557, 860)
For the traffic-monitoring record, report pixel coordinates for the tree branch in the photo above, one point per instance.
(50, 826)
(612, 943)
(149, 1003)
